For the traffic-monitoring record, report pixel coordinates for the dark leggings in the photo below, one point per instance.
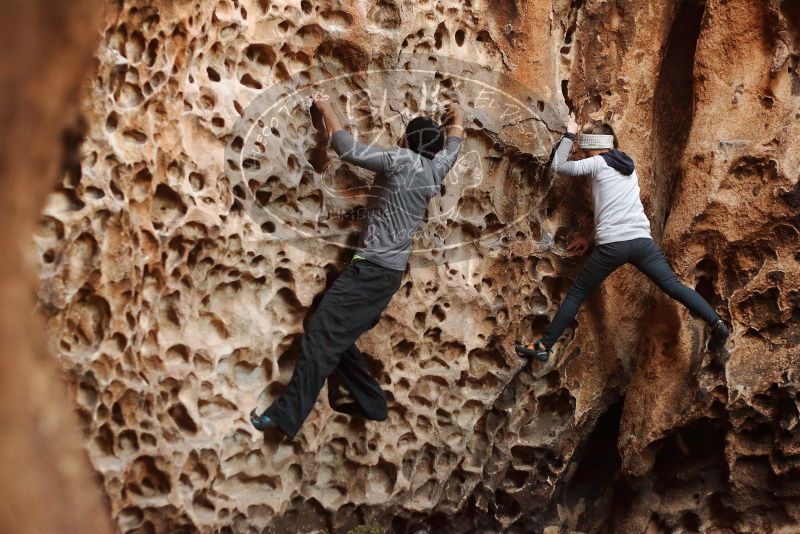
(645, 255)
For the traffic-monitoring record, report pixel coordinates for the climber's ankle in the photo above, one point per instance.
(719, 335)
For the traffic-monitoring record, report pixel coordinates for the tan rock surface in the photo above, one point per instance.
(46, 481)
(176, 306)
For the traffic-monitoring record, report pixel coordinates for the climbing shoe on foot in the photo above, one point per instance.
(719, 335)
(261, 422)
(537, 352)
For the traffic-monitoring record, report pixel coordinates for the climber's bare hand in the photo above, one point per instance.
(572, 124)
(453, 120)
(321, 101)
(579, 246)
(453, 115)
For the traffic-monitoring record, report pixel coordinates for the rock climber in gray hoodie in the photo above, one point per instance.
(406, 179)
(622, 235)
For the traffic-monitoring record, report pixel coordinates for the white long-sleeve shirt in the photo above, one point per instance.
(618, 211)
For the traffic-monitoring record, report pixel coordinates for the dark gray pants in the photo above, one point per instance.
(351, 306)
(645, 255)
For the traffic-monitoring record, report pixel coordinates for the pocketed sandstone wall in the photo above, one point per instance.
(176, 310)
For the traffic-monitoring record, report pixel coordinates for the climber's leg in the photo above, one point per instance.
(649, 259)
(348, 309)
(367, 397)
(603, 261)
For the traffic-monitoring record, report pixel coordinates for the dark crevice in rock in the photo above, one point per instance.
(565, 93)
(591, 482)
(72, 139)
(674, 108)
(689, 478)
(791, 10)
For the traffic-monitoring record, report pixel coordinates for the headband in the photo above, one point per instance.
(596, 141)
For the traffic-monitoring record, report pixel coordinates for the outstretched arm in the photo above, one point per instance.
(329, 117)
(443, 161)
(365, 156)
(581, 167)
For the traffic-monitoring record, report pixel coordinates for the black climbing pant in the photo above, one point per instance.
(645, 255)
(350, 307)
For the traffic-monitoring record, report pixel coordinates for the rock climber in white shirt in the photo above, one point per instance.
(622, 235)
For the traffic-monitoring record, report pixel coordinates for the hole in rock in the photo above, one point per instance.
(182, 418)
(146, 479)
(167, 205)
(691, 452)
(705, 282)
(213, 75)
(385, 14)
(507, 507)
(248, 81)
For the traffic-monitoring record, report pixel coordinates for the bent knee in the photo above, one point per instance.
(378, 411)
(380, 416)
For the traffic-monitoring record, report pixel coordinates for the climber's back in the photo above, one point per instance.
(618, 211)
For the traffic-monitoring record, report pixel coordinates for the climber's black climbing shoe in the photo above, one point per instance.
(719, 335)
(261, 422)
(538, 352)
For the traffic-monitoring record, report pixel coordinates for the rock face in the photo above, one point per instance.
(176, 303)
(46, 481)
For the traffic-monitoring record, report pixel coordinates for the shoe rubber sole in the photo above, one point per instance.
(536, 354)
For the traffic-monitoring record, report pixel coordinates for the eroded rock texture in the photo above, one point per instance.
(176, 312)
(46, 480)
